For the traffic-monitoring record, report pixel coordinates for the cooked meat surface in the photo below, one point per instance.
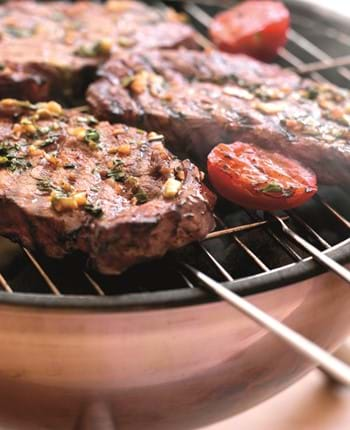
(200, 99)
(54, 48)
(69, 183)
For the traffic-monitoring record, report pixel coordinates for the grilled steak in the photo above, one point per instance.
(69, 183)
(198, 99)
(54, 48)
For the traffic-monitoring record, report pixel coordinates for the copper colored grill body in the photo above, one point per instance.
(232, 234)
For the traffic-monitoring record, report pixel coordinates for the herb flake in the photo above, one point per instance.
(94, 210)
(274, 188)
(117, 171)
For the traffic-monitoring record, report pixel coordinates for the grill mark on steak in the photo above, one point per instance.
(212, 97)
(53, 50)
(69, 183)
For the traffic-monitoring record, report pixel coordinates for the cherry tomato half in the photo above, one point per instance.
(255, 178)
(256, 28)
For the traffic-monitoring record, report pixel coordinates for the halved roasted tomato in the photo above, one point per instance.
(256, 178)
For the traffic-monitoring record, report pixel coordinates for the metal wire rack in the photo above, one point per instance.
(245, 243)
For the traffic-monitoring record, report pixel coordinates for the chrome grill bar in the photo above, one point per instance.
(335, 213)
(311, 230)
(230, 230)
(291, 251)
(94, 284)
(4, 284)
(245, 248)
(220, 268)
(42, 272)
(315, 51)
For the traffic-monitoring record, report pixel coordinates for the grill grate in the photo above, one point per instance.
(245, 243)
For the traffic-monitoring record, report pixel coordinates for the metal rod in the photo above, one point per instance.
(334, 212)
(187, 281)
(331, 264)
(221, 269)
(256, 259)
(94, 284)
(246, 249)
(281, 242)
(334, 367)
(314, 50)
(237, 229)
(311, 230)
(295, 62)
(42, 272)
(318, 66)
(198, 13)
(5, 284)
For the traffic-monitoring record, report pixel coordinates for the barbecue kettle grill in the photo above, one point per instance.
(82, 351)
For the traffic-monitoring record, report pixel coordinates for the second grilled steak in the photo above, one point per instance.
(52, 50)
(69, 183)
(199, 99)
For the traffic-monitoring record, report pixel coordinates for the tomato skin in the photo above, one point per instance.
(258, 179)
(256, 28)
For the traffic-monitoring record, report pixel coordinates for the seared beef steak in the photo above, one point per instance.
(70, 183)
(48, 49)
(199, 99)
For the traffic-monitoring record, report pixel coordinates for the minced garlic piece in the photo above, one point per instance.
(24, 127)
(118, 130)
(78, 132)
(139, 82)
(34, 150)
(49, 109)
(124, 149)
(270, 108)
(126, 42)
(9, 103)
(241, 93)
(63, 203)
(80, 199)
(153, 136)
(52, 159)
(67, 187)
(118, 6)
(171, 188)
(180, 174)
(105, 46)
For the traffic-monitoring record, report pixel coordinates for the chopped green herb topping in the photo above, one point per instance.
(274, 188)
(92, 138)
(92, 135)
(93, 210)
(90, 51)
(18, 32)
(311, 93)
(117, 171)
(141, 196)
(10, 159)
(44, 185)
(126, 42)
(86, 51)
(3, 160)
(69, 166)
(50, 140)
